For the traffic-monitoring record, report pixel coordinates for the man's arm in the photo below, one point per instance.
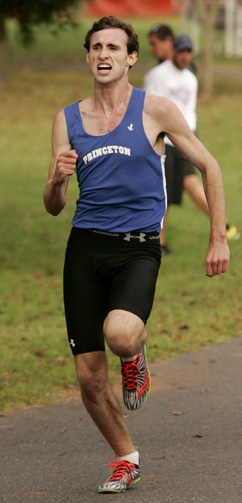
(172, 122)
(63, 165)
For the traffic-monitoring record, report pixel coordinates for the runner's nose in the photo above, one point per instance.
(103, 54)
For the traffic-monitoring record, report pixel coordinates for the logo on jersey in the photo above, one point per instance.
(130, 127)
(109, 149)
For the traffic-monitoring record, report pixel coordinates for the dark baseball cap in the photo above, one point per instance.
(183, 42)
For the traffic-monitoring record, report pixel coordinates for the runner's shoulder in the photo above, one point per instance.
(157, 105)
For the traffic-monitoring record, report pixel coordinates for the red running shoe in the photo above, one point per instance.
(136, 381)
(123, 474)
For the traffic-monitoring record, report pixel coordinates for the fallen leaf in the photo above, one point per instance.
(40, 352)
(38, 274)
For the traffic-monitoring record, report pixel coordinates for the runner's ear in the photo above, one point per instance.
(132, 58)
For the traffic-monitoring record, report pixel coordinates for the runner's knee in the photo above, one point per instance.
(124, 333)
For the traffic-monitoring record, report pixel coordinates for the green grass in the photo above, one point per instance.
(190, 310)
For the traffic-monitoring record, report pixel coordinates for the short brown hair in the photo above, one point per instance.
(161, 31)
(114, 22)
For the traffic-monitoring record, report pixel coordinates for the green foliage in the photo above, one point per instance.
(54, 13)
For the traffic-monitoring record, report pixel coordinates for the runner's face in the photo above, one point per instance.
(182, 59)
(108, 58)
(159, 48)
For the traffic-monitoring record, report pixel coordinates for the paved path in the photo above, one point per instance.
(189, 434)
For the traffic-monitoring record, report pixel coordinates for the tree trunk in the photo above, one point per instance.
(2, 29)
(207, 12)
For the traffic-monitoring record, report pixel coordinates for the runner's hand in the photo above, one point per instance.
(217, 259)
(65, 166)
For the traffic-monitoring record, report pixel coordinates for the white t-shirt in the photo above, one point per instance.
(180, 86)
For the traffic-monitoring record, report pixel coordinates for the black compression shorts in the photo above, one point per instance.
(106, 271)
(176, 167)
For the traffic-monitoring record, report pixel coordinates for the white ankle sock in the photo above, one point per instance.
(128, 359)
(131, 458)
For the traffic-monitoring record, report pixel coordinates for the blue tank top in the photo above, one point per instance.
(121, 178)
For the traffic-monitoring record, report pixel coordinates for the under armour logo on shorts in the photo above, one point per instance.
(141, 237)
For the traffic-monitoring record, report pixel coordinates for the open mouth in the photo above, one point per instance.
(104, 67)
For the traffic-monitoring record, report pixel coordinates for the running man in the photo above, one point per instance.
(114, 141)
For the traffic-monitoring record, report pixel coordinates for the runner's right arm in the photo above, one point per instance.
(63, 165)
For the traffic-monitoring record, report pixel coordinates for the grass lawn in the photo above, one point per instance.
(190, 310)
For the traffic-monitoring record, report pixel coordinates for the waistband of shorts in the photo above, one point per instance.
(134, 236)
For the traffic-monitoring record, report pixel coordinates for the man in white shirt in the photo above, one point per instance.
(161, 41)
(172, 79)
